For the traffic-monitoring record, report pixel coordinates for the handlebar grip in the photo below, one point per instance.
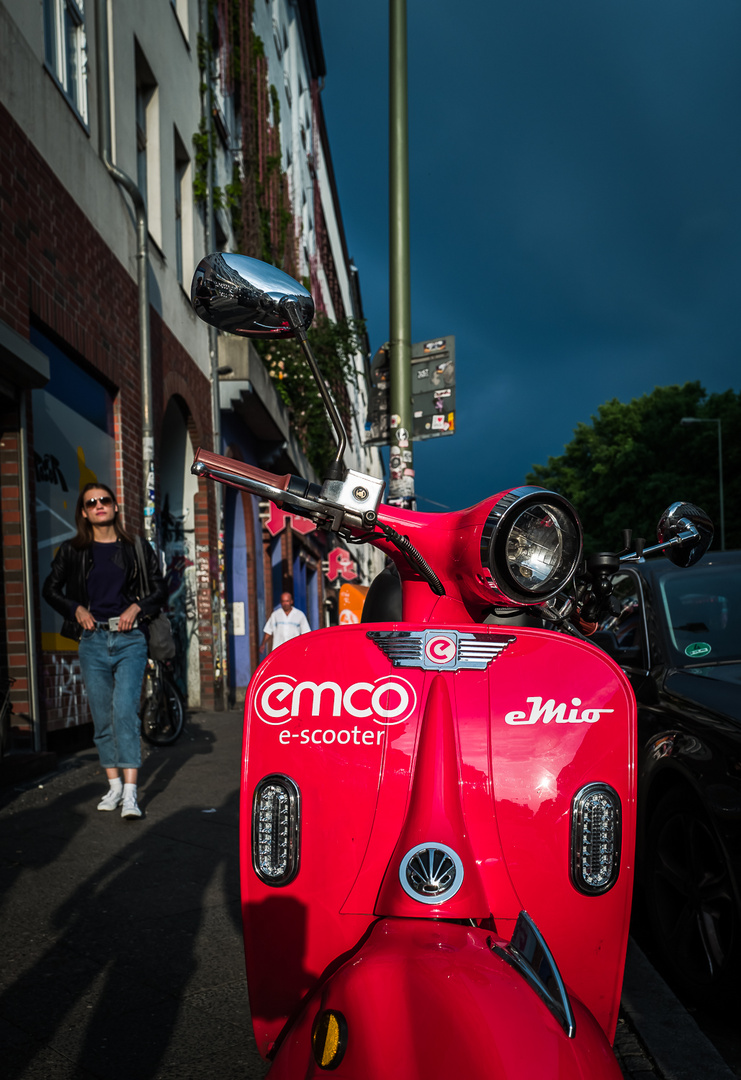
(240, 470)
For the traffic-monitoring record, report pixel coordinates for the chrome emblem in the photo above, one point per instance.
(431, 873)
(436, 650)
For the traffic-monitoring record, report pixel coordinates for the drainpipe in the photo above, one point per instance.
(38, 734)
(142, 233)
(219, 621)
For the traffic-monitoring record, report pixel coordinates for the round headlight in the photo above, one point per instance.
(531, 544)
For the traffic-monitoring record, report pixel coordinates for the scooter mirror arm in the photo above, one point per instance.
(690, 533)
(336, 469)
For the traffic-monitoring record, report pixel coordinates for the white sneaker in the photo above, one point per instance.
(111, 800)
(130, 808)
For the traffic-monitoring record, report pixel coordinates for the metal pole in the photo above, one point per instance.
(713, 420)
(401, 462)
(720, 480)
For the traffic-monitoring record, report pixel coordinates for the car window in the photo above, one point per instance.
(702, 609)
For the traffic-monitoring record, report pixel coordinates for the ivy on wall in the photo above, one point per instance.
(335, 346)
(257, 199)
(257, 196)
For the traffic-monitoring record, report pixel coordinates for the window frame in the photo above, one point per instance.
(64, 20)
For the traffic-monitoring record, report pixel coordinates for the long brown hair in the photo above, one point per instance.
(84, 535)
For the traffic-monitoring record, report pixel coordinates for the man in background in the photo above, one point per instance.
(285, 623)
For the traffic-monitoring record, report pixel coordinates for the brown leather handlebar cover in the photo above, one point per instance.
(241, 469)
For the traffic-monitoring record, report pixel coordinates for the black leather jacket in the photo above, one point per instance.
(66, 586)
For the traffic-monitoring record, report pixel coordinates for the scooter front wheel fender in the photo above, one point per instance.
(425, 998)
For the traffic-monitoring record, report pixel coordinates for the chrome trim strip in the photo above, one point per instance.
(529, 955)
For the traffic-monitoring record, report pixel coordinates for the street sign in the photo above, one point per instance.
(433, 388)
(433, 392)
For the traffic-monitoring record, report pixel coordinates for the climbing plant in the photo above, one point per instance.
(335, 345)
(257, 199)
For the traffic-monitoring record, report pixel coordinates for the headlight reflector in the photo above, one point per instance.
(276, 813)
(531, 544)
(595, 838)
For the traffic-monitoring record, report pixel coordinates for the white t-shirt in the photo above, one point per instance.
(284, 627)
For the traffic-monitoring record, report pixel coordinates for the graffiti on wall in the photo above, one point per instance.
(49, 470)
(177, 547)
(203, 579)
(66, 698)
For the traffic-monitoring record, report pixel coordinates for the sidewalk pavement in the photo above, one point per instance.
(122, 951)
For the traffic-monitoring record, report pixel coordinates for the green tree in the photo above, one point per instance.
(632, 460)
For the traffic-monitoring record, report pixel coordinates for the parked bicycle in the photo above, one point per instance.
(162, 711)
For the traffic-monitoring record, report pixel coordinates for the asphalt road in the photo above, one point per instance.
(121, 949)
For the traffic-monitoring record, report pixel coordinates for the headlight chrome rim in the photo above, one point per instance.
(498, 532)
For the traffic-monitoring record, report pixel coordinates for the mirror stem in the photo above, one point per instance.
(336, 468)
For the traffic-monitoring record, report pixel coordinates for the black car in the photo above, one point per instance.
(678, 638)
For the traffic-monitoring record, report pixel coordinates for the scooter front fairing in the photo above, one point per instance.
(368, 748)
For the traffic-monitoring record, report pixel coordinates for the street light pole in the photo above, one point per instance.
(401, 462)
(714, 420)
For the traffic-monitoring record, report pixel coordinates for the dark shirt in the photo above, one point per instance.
(106, 583)
(67, 585)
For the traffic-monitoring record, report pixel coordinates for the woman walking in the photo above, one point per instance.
(95, 585)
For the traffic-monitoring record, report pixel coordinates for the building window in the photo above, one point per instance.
(277, 38)
(65, 50)
(141, 140)
(180, 7)
(182, 202)
(148, 156)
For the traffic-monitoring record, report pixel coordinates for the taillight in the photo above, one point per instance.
(595, 838)
(276, 830)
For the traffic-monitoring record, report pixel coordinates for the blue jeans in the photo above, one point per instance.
(113, 665)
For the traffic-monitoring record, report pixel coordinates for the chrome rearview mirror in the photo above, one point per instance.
(684, 533)
(240, 295)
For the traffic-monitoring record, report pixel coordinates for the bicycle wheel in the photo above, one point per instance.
(162, 713)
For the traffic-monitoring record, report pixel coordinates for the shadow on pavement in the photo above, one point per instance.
(125, 957)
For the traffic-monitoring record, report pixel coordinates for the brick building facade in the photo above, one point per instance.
(88, 95)
(61, 279)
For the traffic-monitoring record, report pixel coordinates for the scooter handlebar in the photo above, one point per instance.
(295, 492)
(236, 473)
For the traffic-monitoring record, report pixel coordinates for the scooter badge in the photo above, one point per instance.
(436, 650)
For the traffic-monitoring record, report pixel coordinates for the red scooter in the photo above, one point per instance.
(437, 807)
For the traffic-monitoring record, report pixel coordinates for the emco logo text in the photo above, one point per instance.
(388, 700)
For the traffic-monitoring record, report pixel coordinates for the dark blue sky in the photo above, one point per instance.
(575, 192)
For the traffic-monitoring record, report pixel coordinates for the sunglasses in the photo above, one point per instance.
(104, 500)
